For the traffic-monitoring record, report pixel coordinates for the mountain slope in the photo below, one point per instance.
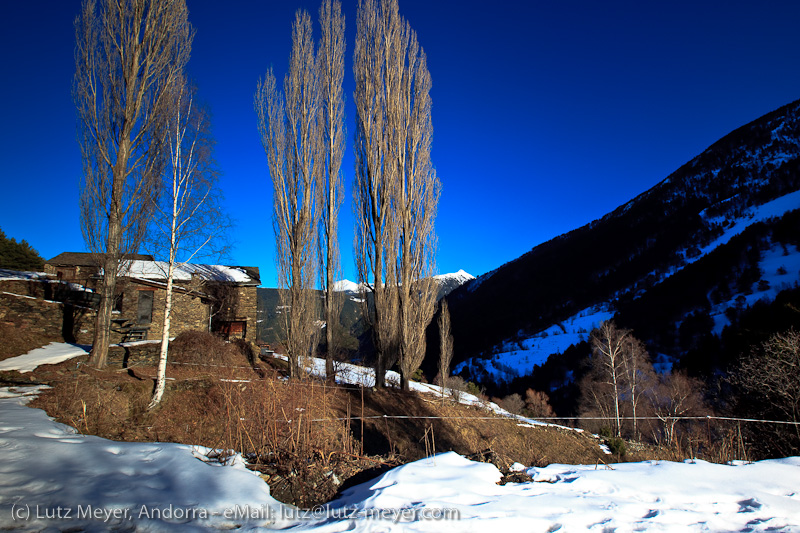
(681, 249)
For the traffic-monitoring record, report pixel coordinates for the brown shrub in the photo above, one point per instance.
(512, 403)
(201, 348)
(537, 404)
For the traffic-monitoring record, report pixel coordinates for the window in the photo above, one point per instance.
(118, 299)
(144, 314)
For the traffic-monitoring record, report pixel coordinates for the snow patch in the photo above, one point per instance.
(518, 357)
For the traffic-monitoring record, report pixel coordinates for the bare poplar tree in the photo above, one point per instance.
(331, 65)
(396, 191)
(290, 135)
(445, 345)
(189, 218)
(415, 198)
(373, 179)
(129, 54)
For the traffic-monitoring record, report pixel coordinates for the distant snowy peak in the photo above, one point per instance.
(447, 281)
(346, 286)
(459, 277)
(450, 282)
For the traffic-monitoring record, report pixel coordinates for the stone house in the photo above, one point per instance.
(80, 267)
(216, 298)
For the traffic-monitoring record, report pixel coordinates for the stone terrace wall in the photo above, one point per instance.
(46, 318)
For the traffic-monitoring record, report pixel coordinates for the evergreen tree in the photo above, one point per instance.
(18, 255)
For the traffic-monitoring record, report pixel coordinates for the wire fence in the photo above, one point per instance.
(497, 417)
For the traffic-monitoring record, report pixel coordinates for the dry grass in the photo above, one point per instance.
(308, 439)
(19, 341)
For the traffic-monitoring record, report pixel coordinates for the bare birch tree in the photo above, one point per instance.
(331, 71)
(396, 189)
(129, 54)
(639, 376)
(445, 345)
(290, 135)
(189, 220)
(608, 353)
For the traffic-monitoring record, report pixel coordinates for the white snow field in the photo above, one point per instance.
(54, 479)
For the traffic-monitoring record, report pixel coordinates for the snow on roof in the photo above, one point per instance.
(157, 270)
(14, 275)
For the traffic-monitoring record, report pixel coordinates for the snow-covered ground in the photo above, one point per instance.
(775, 208)
(779, 269)
(517, 358)
(55, 479)
(54, 353)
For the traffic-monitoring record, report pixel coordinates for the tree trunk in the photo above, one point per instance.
(329, 320)
(161, 380)
(101, 340)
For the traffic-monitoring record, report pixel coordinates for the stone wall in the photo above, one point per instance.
(136, 354)
(248, 309)
(46, 318)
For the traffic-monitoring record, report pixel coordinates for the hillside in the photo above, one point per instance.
(677, 264)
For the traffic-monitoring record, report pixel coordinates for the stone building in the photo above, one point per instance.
(80, 267)
(216, 298)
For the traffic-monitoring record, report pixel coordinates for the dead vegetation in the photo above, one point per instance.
(308, 439)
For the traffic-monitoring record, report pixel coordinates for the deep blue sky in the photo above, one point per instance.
(546, 114)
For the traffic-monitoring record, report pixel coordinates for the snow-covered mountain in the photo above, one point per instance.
(447, 283)
(347, 286)
(676, 264)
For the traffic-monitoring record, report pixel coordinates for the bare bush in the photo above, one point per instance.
(457, 387)
(201, 348)
(768, 380)
(537, 405)
(513, 403)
